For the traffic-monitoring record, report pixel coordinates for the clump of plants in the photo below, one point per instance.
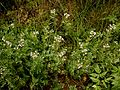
(60, 51)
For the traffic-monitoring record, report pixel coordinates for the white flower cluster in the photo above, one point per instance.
(111, 27)
(12, 25)
(81, 45)
(79, 65)
(64, 58)
(92, 34)
(84, 51)
(34, 54)
(66, 15)
(35, 32)
(2, 69)
(58, 38)
(7, 42)
(116, 42)
(106, 46)
(62, 53)
(21, 43)
(53, 11)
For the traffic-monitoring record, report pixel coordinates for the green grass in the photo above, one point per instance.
(60, 44)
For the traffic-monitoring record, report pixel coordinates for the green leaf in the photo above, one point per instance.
(103, 74)
(96, 87)
(111, 18)
(94, 75)
(95, 79)
(115, 69)
(97, 69)
(108, 79)
(72, 88)
(104, 83)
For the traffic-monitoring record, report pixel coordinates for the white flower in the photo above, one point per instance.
(78, 61)
(2, 69)
(84, 50)
(58, 38)
(21, 43)
(12, 25)
(81, 44)
(52, 11)
(79, 66)
(64, 58)
(35, 32)
(3, 38)
(112, 26)
(62, 53)
(106, 45)
(115, 42)
(34, 54)
(92, 34)
(8, 43)
(66, 15)
(94, 86)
